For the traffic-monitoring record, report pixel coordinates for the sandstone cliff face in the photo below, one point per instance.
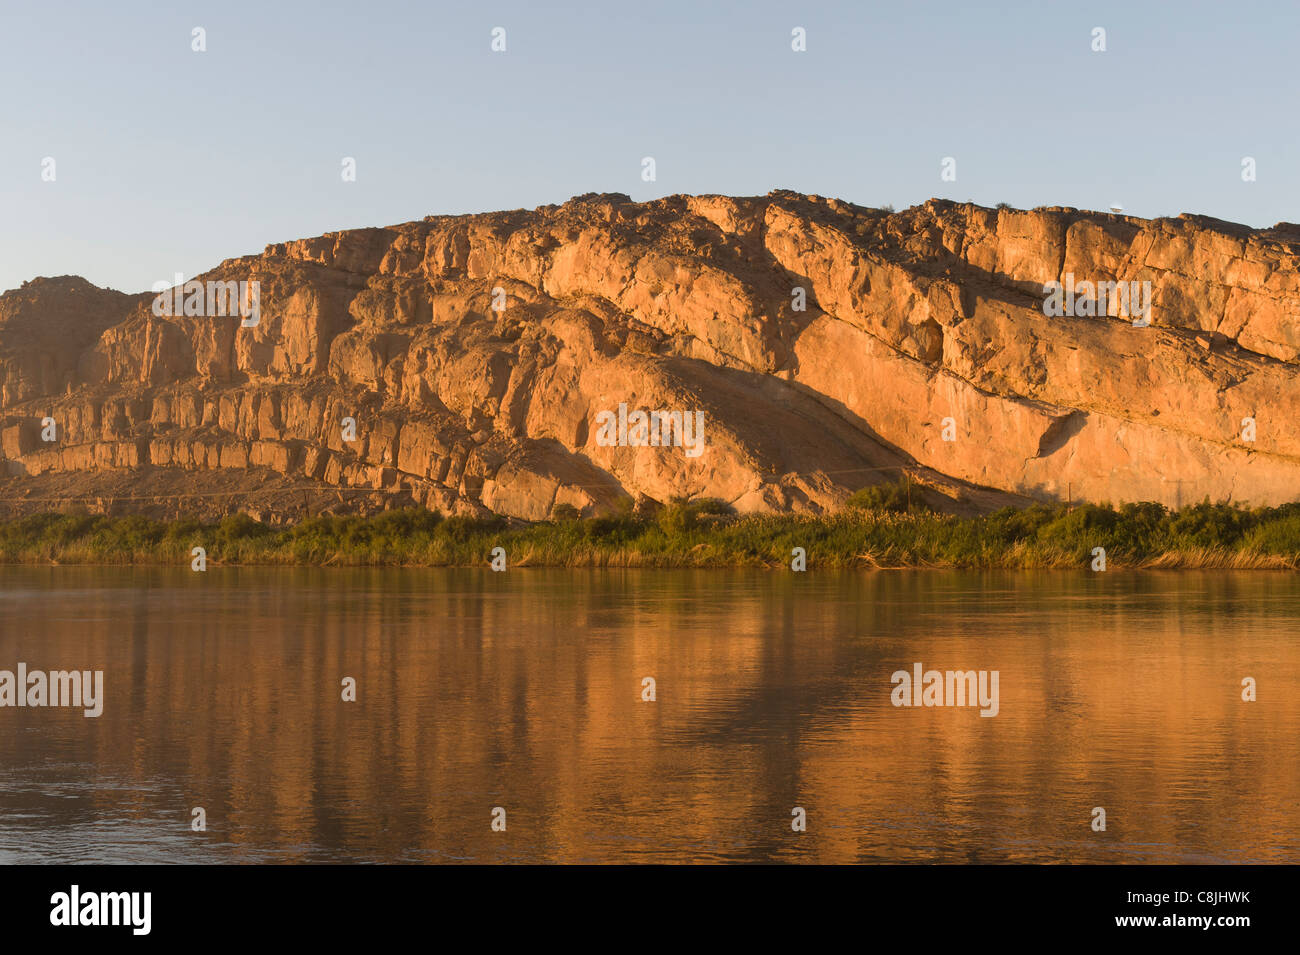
(828, 346)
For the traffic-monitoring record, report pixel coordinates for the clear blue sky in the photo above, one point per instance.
(169, 160)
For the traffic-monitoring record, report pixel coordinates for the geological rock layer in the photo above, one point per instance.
(828, 347)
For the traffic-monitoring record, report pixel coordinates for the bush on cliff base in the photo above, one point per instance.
(695, 533)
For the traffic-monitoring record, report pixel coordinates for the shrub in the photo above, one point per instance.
(1012, 524)
(406, 522)
(679, 517)
(1085, 527)
(898, 497)
(1212, 525)
(240, 526)
(460, 528)
(1143, 527)
(610, 528)
(1280, 537)
(646, 509)
(563, 513)
(702, 530)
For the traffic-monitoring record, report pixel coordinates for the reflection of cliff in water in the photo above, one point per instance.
(523, 690)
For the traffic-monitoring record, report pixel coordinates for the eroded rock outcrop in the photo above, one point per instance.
(828, 346)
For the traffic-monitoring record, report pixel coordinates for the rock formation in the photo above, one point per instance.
(828, 346)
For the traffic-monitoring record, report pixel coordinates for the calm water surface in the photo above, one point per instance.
(523, 690)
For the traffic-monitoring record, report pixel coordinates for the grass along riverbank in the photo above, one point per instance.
(878, 529)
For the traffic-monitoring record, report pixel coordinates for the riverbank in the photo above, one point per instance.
(880, 533)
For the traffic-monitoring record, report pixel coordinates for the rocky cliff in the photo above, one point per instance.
(821, 345)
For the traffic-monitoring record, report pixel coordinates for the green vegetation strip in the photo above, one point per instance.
(879, 528)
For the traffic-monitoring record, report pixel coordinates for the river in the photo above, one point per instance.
(502, 717)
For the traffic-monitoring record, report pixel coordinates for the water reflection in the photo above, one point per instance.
(523, 690)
